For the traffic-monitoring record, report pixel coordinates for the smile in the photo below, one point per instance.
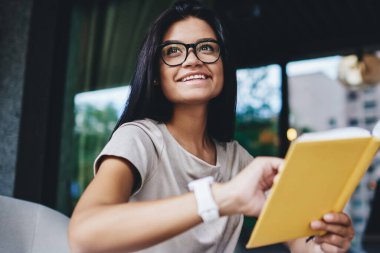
(193, 77)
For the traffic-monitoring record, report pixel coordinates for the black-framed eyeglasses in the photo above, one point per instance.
(175, 53)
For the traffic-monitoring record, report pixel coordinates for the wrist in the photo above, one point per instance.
(225, 199)
(207, 207)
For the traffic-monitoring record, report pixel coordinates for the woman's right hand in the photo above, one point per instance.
(245, 193)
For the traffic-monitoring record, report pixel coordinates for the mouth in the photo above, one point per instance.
(194, 77)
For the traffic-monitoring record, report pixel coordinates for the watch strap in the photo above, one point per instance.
(207, 207)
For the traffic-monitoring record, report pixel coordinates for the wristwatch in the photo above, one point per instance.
(207, 208)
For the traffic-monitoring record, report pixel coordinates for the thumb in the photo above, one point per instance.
(270, 167)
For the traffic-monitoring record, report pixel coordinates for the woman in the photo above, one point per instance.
(176, 133)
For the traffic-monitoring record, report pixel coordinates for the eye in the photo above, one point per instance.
(207, 48)
(172, 50)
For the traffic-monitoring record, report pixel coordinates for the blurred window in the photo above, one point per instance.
(258, 107)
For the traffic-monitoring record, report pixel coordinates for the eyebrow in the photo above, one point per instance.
(178, 41)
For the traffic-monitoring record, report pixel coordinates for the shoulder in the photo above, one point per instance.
(142, 129)
(147, 125)
(234, 147)
(140, 142)
(237, 153)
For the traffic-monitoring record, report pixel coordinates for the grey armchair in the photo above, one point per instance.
(27, 227)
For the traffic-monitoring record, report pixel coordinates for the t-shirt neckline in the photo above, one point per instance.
(217, 150)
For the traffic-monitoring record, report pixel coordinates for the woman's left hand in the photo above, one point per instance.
(340, 232)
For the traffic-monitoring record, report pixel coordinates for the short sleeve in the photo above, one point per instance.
(244, 157)
(134, 144)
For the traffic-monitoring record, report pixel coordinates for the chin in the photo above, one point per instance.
(196, 100)
(195, 97)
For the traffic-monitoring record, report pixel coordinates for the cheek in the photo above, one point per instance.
(166, 74)
(166, 80)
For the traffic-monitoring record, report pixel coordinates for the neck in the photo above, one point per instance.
(188, 127)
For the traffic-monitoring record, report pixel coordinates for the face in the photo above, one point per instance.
(192, 82)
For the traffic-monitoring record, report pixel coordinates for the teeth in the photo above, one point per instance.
(192, 77)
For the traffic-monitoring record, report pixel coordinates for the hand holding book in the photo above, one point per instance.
(245, 193)
(339, 232)
(321, 171)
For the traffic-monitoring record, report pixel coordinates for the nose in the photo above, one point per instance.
(192, 59)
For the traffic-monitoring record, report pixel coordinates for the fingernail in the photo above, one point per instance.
(315, 224)
(328, 217)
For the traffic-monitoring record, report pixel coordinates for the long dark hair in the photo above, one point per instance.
(147, 100)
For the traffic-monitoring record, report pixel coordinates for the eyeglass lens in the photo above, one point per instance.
(175, 54)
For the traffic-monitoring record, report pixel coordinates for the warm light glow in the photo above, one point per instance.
(291, 134)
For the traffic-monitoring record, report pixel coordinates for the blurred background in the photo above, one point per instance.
(65, 68)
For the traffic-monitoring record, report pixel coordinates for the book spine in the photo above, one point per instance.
(359, 171)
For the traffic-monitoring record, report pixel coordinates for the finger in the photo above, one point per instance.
(276, 178)
(337, 218)
(281, 168)
(342, 219)
(327, 248)
(279, 171)
(270, 162)
(331, 239)
(270, 167)
(331, 228)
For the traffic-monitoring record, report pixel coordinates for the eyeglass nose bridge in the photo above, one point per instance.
(194, 47)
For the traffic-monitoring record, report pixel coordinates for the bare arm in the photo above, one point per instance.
(104, 220)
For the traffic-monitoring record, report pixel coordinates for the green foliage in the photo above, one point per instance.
(92, 131)
(258, 136)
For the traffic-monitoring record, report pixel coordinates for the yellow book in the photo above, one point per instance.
(321, 171)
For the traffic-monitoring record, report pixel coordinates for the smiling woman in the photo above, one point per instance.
(171, 179)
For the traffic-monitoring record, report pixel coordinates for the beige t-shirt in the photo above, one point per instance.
(166, 168)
